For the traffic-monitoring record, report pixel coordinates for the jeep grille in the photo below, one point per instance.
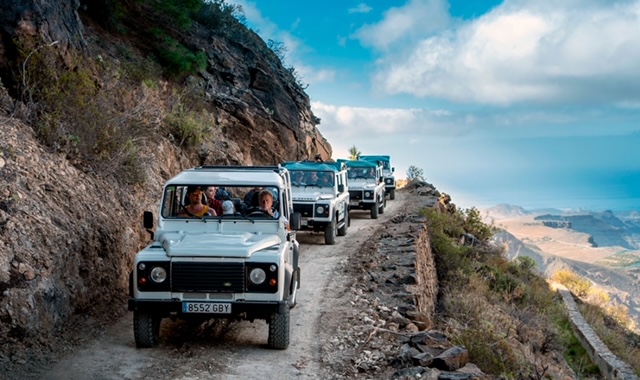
(207, 277)
(355, 194)
(303, 209)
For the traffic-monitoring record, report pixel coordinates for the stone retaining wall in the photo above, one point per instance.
(609, 364)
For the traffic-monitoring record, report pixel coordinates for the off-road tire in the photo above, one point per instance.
(392, 194)
(146, 329)
(382, 206)
(343, 230)
(374, 211)
(330, 232)
(279, 330)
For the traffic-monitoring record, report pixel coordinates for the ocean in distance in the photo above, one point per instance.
(617, 191)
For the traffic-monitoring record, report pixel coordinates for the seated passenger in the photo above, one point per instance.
(196, 208)
(250, 199)
(214, 203)
(326, 180)
(297, 178)
(311, 179)
(228, 208)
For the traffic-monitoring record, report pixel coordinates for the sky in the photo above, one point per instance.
(533, 103)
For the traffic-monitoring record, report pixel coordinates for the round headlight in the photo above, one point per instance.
(367, 194)
(257, 276)
(319, 210)
(158, 274)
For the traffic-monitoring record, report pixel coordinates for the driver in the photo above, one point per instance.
(265, 200)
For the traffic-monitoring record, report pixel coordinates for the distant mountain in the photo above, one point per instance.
(506, 211)
(605, 229)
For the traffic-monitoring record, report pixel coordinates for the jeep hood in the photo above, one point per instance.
(311, 196)
(216, 244)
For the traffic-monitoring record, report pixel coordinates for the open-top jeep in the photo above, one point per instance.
(387, 173)
(321, 196)
(366, 186)
(239, 264)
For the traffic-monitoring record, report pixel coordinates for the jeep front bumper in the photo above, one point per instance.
(244, 310)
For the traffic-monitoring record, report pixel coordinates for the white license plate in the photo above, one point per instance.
(354, 203)
(304, 223)
(206, 307)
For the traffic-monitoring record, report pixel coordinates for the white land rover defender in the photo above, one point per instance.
(387, 173)
(321, 196)
(241, 263)
(366, 186)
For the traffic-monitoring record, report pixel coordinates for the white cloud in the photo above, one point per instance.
(416, 19)
(360, 8)
(343, 122)
(522, 51)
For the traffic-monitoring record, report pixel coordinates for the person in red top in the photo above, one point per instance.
(214, 203)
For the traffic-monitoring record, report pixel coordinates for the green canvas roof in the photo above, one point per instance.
(359, 163)
(311, 165)
(375, 158)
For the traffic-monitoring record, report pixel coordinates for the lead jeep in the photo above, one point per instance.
(240, 265)
(366, 186)
(321, 196)
(387, 173)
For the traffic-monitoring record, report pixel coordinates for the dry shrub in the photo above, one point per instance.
(574, 282)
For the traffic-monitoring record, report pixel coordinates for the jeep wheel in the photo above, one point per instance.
(330, 232)
(343, 229)
(279, 325)
(374, 211)
(146, 329)
(392, 194)
(382, 206)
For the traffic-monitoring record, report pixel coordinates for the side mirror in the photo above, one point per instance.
(295, 221)
(341, 188)
(381, 179)
(393, 170)
(147, 222)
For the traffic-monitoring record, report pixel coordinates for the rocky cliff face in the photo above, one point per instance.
(69, 231)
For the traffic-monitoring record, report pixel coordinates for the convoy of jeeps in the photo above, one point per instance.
(225, 246)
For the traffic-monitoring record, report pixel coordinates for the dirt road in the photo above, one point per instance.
(235, 350)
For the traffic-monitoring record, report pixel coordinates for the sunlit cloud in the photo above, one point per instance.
(518, 52)
(415, 20)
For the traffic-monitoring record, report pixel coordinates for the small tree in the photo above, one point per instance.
(414, 172)
(354, 153)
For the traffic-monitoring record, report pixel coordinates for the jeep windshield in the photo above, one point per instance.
(363, 173)
(318, 178)
(214, 201)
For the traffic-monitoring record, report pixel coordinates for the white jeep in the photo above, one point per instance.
(321, 196)
(387, 172)
(241, 263)
(366, 186)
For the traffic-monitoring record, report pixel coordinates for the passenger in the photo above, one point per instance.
(214, 203)
(195, 208)
(326, 180)
(311, 179)
(298, 178)
(228, 208)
